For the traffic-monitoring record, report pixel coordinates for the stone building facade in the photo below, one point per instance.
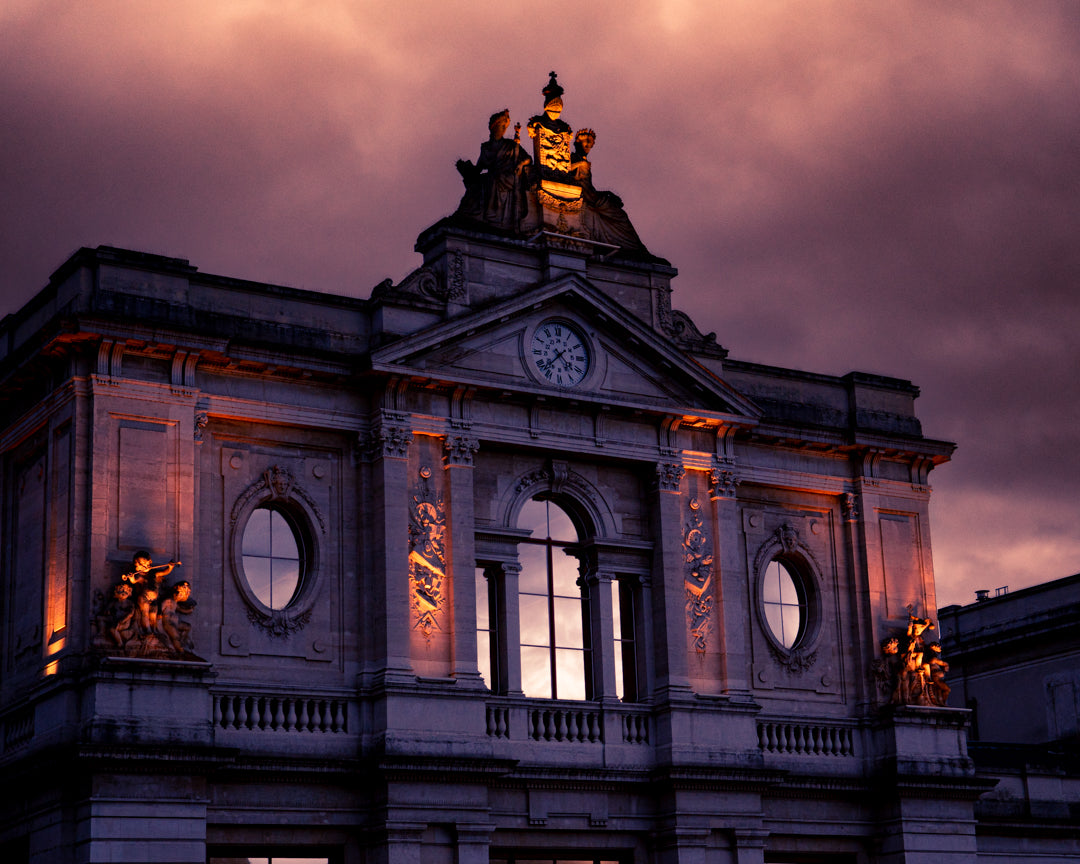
(505, 563)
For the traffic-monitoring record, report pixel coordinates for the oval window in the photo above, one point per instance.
(784, 598)
(272, 557)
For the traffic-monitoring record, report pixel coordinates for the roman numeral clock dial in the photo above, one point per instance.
(560, 353)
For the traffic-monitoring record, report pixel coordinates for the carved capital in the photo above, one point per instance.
(723, 481)
(393, 441)
(459, 450)
(669, 475)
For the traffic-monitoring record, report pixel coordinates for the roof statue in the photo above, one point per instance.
(548, 193)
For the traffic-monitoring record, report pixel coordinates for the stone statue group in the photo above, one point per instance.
(510, 190)
(144, 618)
(916, 674)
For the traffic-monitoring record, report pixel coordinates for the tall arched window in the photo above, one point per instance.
(555, 641)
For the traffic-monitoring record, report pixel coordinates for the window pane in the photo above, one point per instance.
(619, 682)
(565, 573)
(559, 525)
(483, 656)
(569, 673)
(533, 516)
(534, 620)
(256, 539)
(792, 624)
(535, 672)
(282, 539)
(533, 577)
(568, 632)
(774, 620)
(788, 592)
(481, 600)
(286, 579)
(770, 583)
(257, 573)
(616, 611)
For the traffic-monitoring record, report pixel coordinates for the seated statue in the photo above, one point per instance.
(495, 185)
(604, 218)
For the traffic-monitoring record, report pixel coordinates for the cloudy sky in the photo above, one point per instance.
(889, 187)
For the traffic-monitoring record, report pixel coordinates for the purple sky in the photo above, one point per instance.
(888, 187)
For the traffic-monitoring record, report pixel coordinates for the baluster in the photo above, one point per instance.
(290, 717)
(242, 712)
(279, 715)
(302, 720)
(217, 710)
(230, 715)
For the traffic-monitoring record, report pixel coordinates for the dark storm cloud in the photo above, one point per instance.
(848, 185)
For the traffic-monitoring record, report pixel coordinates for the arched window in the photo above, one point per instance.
(555, 640)
(272, 557)
(784, 598)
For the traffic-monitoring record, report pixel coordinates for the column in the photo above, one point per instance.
(509, 633)
(602, 633)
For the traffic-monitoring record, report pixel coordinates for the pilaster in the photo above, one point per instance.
(390, 518)
(669, 602)
(458, 451)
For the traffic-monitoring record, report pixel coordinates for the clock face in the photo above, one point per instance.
(560, 353)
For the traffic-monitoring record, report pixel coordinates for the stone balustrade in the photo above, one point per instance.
(280, 713)
(805, 739)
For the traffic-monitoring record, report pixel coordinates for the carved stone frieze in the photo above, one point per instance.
(277, 484)
(455, 283)
(279, 624)
(427, 555)
(795, 662)
(698, 577)
(849, 503)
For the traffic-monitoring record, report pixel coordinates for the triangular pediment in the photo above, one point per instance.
(564, 339)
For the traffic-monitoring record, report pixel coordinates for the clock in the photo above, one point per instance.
(560, 353)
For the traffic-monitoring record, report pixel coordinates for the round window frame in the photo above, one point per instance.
(302, 522)
(805, 577)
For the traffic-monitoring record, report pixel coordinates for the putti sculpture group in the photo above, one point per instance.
(142, 617)
(548, 192)
(916, 674)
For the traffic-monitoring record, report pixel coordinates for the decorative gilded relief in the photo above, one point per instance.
(427, 556)
(698, 578)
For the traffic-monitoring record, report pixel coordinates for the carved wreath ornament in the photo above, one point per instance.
(698, 578)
